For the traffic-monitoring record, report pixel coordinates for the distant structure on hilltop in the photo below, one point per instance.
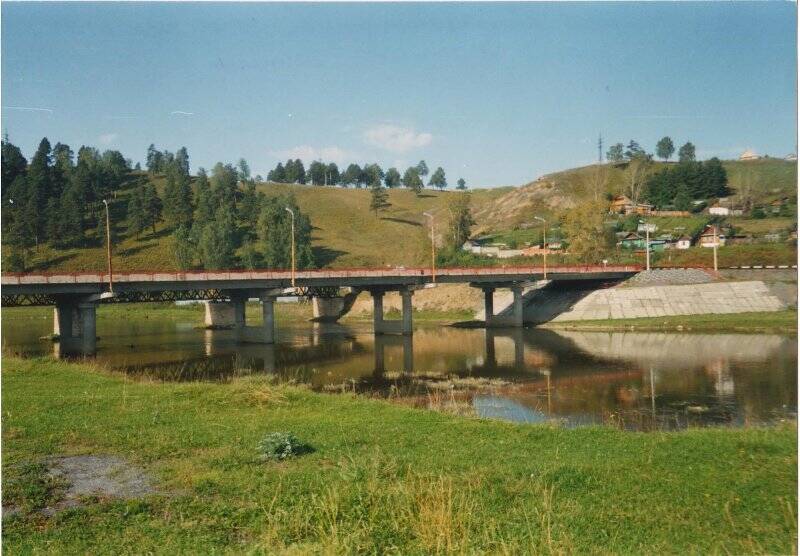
(749, 155)
(791, 157)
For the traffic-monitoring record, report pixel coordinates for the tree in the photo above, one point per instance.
(460, 221)
(438, 179)
(332, 177)
(686, 153)
(373, 174)
(665, 149)
(682, 201)
(184, 248)
(616, 153)
(137, 216)
(182, 160)
(633, 150)
(462, 185)
(351, 175)
(152, 161)
(379, 198)
(244, 170)
(392, 178)
(39, 187)
(636, 177)
(13, 164)
(217, 241)
(316, 171)
(178, 199)
(412, 180)
(294, 171)
(274, 233)
(249, 208)
(277, 175)
(151, 203)
(585, 228)
(422, 169)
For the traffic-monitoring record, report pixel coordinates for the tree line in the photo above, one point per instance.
(217, 221)
(665, 148)
(370, 175)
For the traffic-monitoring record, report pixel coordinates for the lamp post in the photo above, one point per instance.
(716, 240)
(108, 249)
(433, 247)
(290, 211)
(544, 242)
(646, 241)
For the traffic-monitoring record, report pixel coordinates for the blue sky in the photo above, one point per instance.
(495, 93)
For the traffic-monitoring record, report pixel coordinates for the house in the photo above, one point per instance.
(725, 207)
(632, 240)
(623, 205)
(683, 242)
(791, 157)
(749, 155)
(711, 236)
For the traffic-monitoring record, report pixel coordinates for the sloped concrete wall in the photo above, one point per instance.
(651, 301)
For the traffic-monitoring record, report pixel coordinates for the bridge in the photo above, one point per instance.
(76, 296)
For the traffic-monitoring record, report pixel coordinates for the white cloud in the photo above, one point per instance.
(307, 153)
(181, 113)
(396, 139)
(108, 138)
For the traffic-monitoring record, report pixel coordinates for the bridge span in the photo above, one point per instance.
(77, 295)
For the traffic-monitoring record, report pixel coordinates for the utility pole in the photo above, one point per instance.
(716, 240)
(290, 211)
(600, 148)
(108, 249)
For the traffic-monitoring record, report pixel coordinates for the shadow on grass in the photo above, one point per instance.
(324, 256)
(46, 265)
(133, 250)
(401, 221)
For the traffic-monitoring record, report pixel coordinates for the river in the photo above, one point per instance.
(634, 380)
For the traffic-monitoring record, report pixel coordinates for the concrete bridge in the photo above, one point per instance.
(77, 295)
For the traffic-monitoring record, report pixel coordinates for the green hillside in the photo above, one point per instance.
(346, 233)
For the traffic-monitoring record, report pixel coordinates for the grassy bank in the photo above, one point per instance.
(381, 478)
(778, 321)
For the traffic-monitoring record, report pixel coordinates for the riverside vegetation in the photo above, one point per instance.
(380, 478)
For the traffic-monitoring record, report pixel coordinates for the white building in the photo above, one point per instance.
(749, 155)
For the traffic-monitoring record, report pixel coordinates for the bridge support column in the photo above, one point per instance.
(268, 317)
(239, 306)
(88, 327)
(488, 304)
(382, 326)
(219, 314)
(407, 326)
(514, 319)
(66, 321)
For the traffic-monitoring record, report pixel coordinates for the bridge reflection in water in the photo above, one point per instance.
(634, 379)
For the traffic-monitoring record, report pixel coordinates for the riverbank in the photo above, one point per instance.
(381, 478)
(779, 322)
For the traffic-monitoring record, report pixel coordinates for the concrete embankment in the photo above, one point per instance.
(661, 292)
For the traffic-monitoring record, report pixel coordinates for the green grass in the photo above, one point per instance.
(731, 255)
(779, 321)
(381, 478)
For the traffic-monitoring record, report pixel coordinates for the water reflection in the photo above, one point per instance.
(635, 380)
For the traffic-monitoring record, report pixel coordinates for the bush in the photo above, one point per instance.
(278, 446)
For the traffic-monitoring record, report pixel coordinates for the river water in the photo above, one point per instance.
(634, 380)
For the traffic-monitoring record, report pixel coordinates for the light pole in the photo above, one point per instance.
(290, 211)
(716, 240)
(544, 242)
(108, 249)
(433, 247)
(646, 227)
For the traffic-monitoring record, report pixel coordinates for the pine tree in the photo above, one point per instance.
(152, 205)
(137, 216)
(438, 179)
(184, 248)
(379, 198)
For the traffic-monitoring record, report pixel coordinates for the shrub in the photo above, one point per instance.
(278, 446)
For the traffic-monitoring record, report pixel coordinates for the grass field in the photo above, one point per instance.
(777, 322)
(731, 255)
(381, 478)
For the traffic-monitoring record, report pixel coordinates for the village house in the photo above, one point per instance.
(632, 240)
(711, 236)
(683, 242)
(749, 155)
(623, 205)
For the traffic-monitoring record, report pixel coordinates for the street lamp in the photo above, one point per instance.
(108, 249)
(290, 211)
(433, 247)
(646, 227)
(544, 242)
(716, 240)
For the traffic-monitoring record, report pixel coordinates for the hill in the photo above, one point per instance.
(765, 179)
(346, 233)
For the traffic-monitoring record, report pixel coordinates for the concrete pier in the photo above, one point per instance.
(219, 314)
(268, 318)
(75, 326)
(514, 319)
(382, 326)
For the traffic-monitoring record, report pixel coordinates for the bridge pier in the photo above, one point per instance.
(515, 319)
(268, 318)
(381, 326)
(75, 325)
